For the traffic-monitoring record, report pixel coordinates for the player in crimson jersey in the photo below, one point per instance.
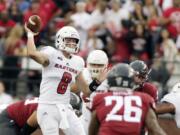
(141, 77)
(20, 118)
(15, 117)
(121, 111)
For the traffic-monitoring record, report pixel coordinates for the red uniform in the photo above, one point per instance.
(150, 89)
(121, 113)
(22, 110)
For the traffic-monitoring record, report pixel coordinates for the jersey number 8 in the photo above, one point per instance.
(66, 79)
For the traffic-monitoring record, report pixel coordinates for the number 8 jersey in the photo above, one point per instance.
(121, 113)
(58, 76)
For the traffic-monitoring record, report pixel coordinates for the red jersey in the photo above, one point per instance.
(150, 89)
(121, 113)
(21, 111)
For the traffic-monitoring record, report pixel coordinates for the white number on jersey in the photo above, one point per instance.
(128, 108)
(31, 101)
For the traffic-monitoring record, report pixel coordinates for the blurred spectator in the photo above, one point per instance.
(14, 43)
(13, 48)
(165, 4)
(138, 15)
(49, 36)
(81, 21)
(99, 19)
(128, 4)
(65, 6)
(121, 51)
(49, 7)
(6, 23)
(171, 18)
(2, 52)
(2, 5)
(92, 43)
(15, 13)
(139, 42)
(4, 98)
(159, 74)
(149, 6)
(23, 5)
(115, 17)
(168, 49)
(91, 5)
(110, 48)
(178, 42)
(153, 24)
(35, 9)
(176, 72)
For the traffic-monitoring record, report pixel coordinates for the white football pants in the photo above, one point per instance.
(51, 117)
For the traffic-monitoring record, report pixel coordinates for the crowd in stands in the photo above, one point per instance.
(125, 29)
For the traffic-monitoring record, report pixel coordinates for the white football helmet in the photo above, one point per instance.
(97, 60)
(67, 32)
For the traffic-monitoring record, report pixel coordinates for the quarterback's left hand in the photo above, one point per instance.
(103, 74)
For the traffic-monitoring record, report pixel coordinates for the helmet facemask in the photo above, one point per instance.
(97, 61)
(67, 39)
(71, 45)
(95, 69)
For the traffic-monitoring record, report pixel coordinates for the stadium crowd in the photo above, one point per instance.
(125, 29)
(145, 34)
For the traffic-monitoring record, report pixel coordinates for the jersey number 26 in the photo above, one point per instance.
(125, 102)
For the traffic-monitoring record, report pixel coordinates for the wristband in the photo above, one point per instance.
(93, 85)
(30, 35)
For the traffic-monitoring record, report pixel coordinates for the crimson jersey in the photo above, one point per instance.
(22, 110)
(121, 113)
(150, 89)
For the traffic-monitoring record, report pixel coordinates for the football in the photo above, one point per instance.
(34, 23)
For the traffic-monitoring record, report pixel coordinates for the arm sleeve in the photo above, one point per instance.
(174, 98)
(149, 101)
(94, 101)
(80, 64)
(49, 51)
(171, 98)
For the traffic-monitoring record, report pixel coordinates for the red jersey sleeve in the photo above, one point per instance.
(151, 90)
(95, 101)
(148, 101)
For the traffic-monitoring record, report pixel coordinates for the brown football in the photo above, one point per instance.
(34, 23)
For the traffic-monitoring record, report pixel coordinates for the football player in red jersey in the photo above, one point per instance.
(141, 78)
(18, 117)
(122, 111)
